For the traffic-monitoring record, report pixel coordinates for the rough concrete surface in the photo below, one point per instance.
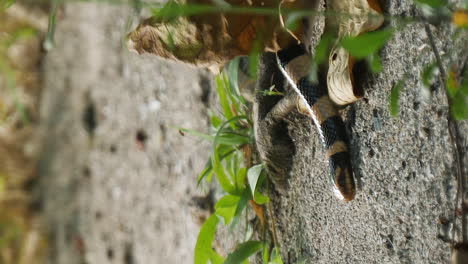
(118, 189)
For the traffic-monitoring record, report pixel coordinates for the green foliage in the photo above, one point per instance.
(4, 4)
(232, 136)
(366, 44)
(8, 72)
(457, 91)
(226, 207)
(243, 251)
(253, 59)
(323, 48)
(275, 257)
(395, 97)
(458, 94)
(427, 74)
(203, 251)
(432, 3)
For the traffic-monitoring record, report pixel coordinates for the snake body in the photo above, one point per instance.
(294, 62)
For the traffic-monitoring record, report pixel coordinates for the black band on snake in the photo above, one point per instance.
(295, 63)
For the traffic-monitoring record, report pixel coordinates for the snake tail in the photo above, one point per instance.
(295, 64)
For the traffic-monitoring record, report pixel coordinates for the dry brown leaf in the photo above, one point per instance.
(215, 38)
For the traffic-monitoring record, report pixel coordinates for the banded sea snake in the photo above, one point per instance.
(312, 99)
(207, 37)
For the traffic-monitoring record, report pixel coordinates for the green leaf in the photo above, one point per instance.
(221, 128)
(366, 44)
(271, 92)
(226, 207)
(232, 139)
(6, 4)
(233, 91)
(224, 151)
(374, 63)
(220, 172)
(427, 74)
(240, 177)
(204, 240)
(260, 198)
(432, 3)
(223, 98)
(459, 107)
(215, 121)
(451, 85)
(215, 258)
(207, 172)
(464, 86)
(196, 133)
(275, 257)
(322, 48)
(253, 175)
(395, 96)
(243, 251)
(232, 70)
(253, 59)
(265, 252)
(292, 20)
(225, 138)
(240, 208)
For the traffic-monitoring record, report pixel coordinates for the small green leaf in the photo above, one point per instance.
(451, 84)
(432, 3)
(215, 121)
(240, 177)
(464, 86)
(459, 107)
(292, 20)
(222, 131)
(196, 133)
(215, 258)
(271, 92)
(243, 251)
(253, 59)
(366, 44)
(232, 139)
(240, 208)
(374, 63)
(225, 138)
(6, 4)
(204, 240)
(260, 198)
(226, 207)
(206, 172)
(427, 74)
(224, 152)
(221, 173)
(395, 96)
(223, 98)
(275, 257)
(265, 252)
(253, 175)
(232, 76)
(322, 48)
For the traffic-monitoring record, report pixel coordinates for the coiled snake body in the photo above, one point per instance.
(312, 98)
